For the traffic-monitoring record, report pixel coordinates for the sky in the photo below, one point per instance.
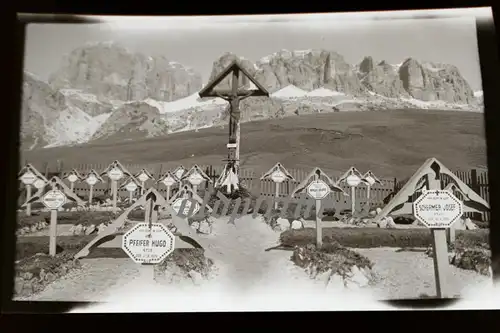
(198, 41)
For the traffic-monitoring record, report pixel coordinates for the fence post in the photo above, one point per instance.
(474, 185)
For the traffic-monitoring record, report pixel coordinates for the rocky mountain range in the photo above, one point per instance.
(102, 91)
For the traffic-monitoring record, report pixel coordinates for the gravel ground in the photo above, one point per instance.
(410, 274)
(244, 267)
(94, 281)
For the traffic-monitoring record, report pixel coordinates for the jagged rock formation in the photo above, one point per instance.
(131, 121)
(308, 70)
(381, 78)
(429, 82)
(47, 117)
(104, 92)
(111, 71)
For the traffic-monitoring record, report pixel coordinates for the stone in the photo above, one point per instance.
(283, 223)
(469, 224)
(356, 278)
(27, 287)
(78, 230)
(100, 228)
(27, 276)
(390, 224)
(50, 277)
(378, 210)
(297, 225)
(42, 274)
(18, 285)
(72, 229)
(21, 232)
(373, 213)
(382, 223)
(33, 228)
(90, 229)
(196, 277)
(26, 230)
(205, 228)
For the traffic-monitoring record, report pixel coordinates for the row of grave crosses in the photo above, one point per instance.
(29, 176)
(313, 182)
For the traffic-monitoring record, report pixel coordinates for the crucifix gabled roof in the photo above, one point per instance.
(399, 203)
(208, 90)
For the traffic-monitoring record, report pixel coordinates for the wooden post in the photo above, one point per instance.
(142, 188)
(28, 196)
(53, 232)
(130, 196)
(168, 193)
(72, 186)
(440, 251)
(195, 189)
(114, 190)
(276, 195)
(90, 194)
(319, 226)
(353, 200)
(236, 119)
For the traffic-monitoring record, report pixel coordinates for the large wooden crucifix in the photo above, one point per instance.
(230, 174)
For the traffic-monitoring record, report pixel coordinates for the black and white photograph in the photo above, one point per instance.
(266, 161)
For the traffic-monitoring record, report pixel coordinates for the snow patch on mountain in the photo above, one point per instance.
(289, 91)
(192, 101)
(73, 126)
(323, 92)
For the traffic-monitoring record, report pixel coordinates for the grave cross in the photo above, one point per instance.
(234, 97)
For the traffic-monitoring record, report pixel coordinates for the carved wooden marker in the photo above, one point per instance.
(29, 176)
(54, 199)
(369, 179)
(195, 176)
(169, 180)
(143, 176)
(437, 209)
(278, 174)
(115, 171)
(317, 189)
(230, 175)
(352, 178)
(73, 176)
(91, 179)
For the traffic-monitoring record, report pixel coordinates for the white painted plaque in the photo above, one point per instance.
(148, 245)
(318, 189)
(131, 187)
(278, 176)
(72, 178)
(39, 183)
(143, 177)
(195, 178)
(437, 208)
(115, 174)
(28, 178)
(169, 181)
(91, 179)
(54, 199)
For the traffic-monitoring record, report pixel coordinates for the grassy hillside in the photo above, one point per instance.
(390, 143)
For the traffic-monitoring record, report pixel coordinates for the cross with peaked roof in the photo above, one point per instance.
(233, 96)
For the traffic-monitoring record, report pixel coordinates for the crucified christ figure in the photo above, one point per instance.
(234, 113)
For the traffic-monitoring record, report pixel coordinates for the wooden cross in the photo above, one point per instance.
(234, 96)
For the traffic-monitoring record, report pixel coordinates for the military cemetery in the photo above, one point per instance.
(315, 197)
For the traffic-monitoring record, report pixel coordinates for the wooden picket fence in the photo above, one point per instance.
(477, 180)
